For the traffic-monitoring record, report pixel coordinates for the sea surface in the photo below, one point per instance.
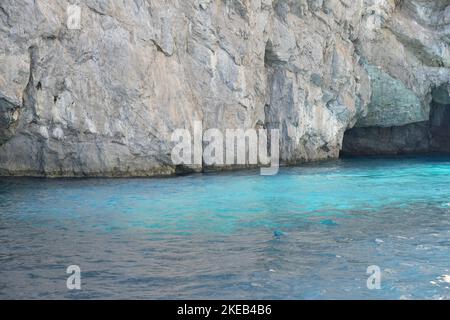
(309, 232)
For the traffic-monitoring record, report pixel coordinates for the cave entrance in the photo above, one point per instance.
(432, 136)
(439, 124)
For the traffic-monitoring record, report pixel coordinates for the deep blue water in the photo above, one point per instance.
(308, 233)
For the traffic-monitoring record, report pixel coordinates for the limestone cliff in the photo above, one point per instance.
(103, 99)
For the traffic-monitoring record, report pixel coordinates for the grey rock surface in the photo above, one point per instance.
(392, 104)
(103, 100)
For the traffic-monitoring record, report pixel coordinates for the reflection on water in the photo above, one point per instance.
(307, 233)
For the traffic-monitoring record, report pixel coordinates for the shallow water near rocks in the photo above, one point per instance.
(307, 233)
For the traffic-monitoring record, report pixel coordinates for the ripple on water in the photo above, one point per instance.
(309, 232)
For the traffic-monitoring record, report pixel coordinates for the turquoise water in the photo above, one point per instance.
(306, 233)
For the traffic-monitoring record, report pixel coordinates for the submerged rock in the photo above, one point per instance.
(328, 222)
(278, 234)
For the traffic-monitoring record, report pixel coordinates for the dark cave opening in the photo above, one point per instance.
(440, 127)
(427, 137)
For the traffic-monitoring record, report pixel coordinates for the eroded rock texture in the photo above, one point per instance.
(104, 99)
(406, 47)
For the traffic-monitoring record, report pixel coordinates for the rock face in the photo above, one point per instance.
(102, 97)
(408, 58)
(392, 104)
(431, 136)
